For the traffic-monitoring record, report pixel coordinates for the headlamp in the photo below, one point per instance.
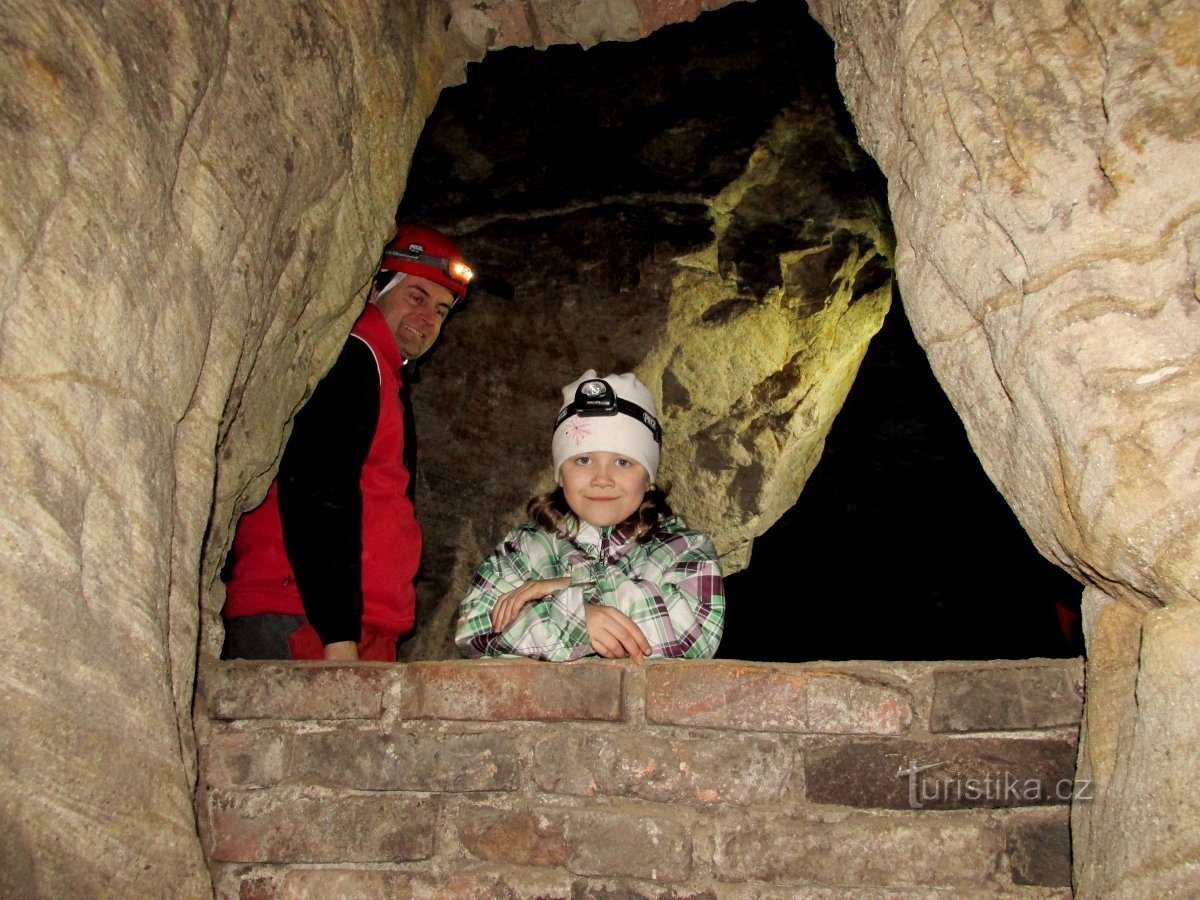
(596, 397)
(460, 271)
(415, 253)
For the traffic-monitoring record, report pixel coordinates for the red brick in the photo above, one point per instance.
(991, 698)
(258, 887)
(850, 704)
(654, 15)
(1039, 848)
(506, 690)
(954, 850)
(783, 698)
(286, 827)
(594, 843)
(726, 695)
(625, 845)
(292, 690)
(237, 881)
(390, 884)
(665, 771)
(950, 773)
(246, 758)
(517, 837)
(376, 761)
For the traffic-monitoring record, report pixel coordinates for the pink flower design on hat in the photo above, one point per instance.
(578, 429)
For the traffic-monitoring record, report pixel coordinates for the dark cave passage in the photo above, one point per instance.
(899, 547)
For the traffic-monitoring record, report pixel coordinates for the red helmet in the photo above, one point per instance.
(418, 250)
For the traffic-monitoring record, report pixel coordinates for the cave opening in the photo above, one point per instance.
(900, 547)
(566, 167)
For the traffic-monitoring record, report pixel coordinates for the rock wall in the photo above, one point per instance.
(515, 779)
(1040, 164)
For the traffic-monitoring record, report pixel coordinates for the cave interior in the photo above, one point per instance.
(566, 165)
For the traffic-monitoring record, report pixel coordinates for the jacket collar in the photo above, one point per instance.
(372, 326)
(612, 539)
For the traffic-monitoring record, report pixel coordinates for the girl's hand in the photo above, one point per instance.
(508, 606)
(614, 635)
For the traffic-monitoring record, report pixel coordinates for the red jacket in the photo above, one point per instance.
(351, 530)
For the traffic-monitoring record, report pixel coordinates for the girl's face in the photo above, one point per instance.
(603, 488)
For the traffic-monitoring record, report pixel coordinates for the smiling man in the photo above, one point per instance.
(324, 567)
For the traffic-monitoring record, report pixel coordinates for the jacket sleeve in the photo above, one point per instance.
(553, 628)
(320, 494)
(676, 596)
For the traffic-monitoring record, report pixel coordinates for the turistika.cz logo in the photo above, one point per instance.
(994, 788)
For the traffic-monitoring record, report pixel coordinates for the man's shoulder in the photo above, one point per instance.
(349, 390)
(358, 360)
(358, 346)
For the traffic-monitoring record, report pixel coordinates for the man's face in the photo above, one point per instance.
(415, 310)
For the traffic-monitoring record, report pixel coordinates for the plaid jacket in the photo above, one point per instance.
(670, 586)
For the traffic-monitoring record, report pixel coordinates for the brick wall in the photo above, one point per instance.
(676, 779)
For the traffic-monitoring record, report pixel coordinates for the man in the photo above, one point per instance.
(324, 567)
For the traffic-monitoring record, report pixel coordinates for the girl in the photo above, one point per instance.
(605, 568)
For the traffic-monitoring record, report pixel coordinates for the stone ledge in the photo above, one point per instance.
(297, 690)
(774, 698)
(507, 690)
(991, 698)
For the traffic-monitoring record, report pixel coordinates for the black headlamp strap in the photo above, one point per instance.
(597, 398)
(452, 267)
(416, 256)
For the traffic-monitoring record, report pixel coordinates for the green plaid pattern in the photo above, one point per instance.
(670, 586)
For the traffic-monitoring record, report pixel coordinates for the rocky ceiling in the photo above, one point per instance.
(590, 180)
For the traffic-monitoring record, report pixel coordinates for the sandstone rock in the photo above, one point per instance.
(1143, 840)
(1030, 265)
(190, 202)
(1039, 164)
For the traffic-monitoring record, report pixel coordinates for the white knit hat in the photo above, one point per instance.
(631, 429)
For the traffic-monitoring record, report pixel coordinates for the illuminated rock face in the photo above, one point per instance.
(189, 205)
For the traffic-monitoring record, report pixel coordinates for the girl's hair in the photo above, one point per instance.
(550, 511)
